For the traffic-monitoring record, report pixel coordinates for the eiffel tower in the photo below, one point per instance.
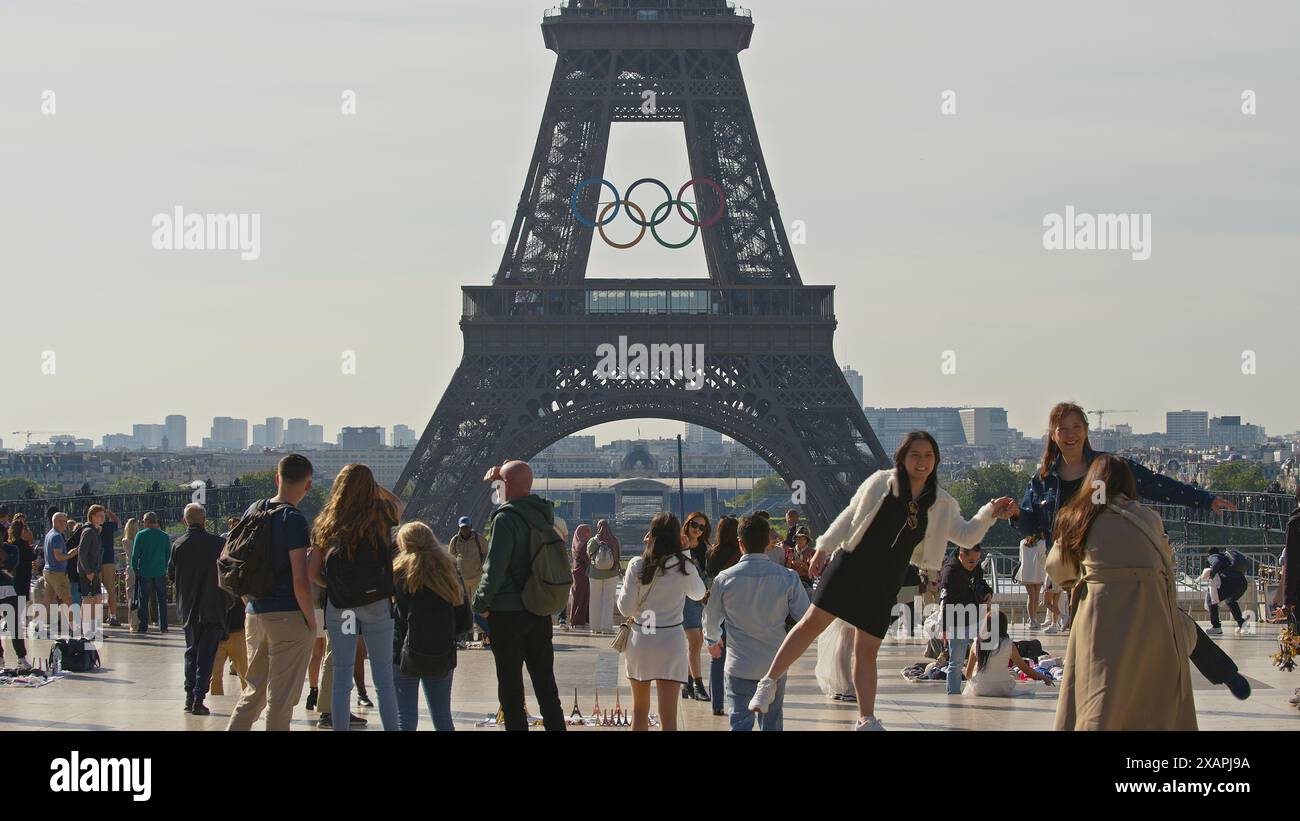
(529, 374)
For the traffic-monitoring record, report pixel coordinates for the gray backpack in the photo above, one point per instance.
(545, 591)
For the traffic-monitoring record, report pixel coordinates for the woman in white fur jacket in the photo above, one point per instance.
(896, 517)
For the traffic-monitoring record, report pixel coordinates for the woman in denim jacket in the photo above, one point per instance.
(1065, 462)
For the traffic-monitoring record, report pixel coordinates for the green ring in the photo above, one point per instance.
(654, 232)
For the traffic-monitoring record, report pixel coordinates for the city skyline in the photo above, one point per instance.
(930, 226)
(605, 434)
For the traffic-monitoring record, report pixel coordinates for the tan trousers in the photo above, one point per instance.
(234, 649)
(57, 589)
(279, 648)
(108, 573)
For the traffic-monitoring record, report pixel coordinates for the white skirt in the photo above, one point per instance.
(834, 668)
(657, 656)
(1033, 563)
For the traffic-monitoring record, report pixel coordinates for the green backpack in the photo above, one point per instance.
(546, 590)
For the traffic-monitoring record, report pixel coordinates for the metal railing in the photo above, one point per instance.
(1189, 560)
(648, 298)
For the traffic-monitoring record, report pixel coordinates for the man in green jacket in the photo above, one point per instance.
(519, 637)
(150, 553)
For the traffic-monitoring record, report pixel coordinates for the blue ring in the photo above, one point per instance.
(573, 202)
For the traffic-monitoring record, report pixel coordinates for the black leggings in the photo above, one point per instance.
(1210, 659)
(13, 625)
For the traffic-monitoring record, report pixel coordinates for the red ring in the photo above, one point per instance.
(722, 208)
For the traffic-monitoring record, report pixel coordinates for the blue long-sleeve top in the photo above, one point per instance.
(1042, 498)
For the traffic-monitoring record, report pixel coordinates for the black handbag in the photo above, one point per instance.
(418, 665)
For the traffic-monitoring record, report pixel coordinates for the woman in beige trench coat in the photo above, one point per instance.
(1126, 662)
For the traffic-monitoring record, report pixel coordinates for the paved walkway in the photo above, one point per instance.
(140, 688)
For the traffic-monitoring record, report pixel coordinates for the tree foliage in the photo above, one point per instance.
(1243, 476)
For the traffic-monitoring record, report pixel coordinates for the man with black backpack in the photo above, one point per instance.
(265, 562)
(526, 578)
(1227, 577)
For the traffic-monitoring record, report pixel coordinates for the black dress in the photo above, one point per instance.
(861, 587)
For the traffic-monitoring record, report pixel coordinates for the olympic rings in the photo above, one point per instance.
(609, 211)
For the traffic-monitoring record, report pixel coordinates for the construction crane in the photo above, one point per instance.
(1101, 414)
(30, 433)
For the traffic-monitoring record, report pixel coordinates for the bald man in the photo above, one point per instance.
(519, 638)
(200, 603)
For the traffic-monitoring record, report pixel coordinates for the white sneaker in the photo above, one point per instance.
(1214, 631)
(763, 695)
(1033, 626)
(23, 664)
(1051, 629)
(1295, 699)
(870, 723)
(1237, 630)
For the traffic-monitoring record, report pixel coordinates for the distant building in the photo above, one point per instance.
(855, 383)
(404, 437)
(119, 441)
(361, 438)
(177, 433)
(297, 433)
(701, 435)
(315, 435)
(228, 434)
(1228, 431)
(892, 424)
(259, 436)
(984, 426)
(1188, 427)
(148, 437)
(274, 431)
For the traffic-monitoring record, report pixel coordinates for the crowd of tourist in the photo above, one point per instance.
(288, 603)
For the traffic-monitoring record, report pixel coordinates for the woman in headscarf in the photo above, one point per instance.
(603, 555)
(580, 593)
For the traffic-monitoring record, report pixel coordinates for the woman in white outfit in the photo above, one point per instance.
(602, 576)
(988, 666)
(1033, 572)
(655, 590)
(835, 661)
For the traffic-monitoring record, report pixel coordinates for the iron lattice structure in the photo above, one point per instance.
(529, 374)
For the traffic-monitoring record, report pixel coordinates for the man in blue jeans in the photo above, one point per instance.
(962, 591)
(753, 597)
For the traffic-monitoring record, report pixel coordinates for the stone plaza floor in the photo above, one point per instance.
(140, 688)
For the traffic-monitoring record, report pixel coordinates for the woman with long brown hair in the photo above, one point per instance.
(895, 517)
(1126, 662)
(655, 587)
(432, 609)
(721, 556)
(1067, 456)
(352, 558)
(696, 534)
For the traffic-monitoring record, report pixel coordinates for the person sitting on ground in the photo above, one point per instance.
(986, 669)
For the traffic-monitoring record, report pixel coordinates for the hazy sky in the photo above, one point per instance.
(929, 226)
